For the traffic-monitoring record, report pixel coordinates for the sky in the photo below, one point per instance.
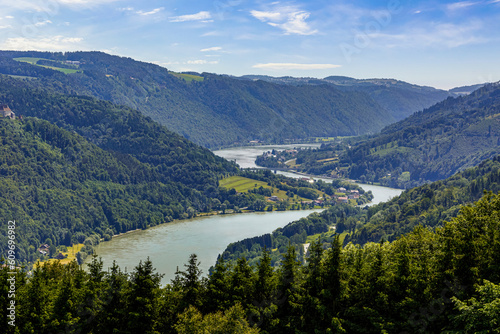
(443, 44)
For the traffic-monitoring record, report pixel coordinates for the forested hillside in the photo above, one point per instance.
(430, 145)
(446, 280)
(212, 110)
(399, 98)
(62, 189)
(98, 169)
(429, 205)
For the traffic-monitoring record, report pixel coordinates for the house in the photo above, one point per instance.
(44, 249)
(6, 112)
(60, 256)
(274, 198)
(342, 199)
(341, 190)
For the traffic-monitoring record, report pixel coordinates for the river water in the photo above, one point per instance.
(245, 157)
(170, 245)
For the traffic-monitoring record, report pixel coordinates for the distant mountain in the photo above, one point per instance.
(430, 145)
(399, 98)
(465, 90)
(212, 110)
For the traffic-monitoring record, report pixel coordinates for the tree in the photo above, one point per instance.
(288, 293)
(265, 286)
(190, 282)
(232, 321)
(479, 314)
(142, 298)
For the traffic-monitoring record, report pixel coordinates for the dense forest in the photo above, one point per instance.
(430, 145)
(399, 98)
(445, 280)
(213, 110)
(65, 190)
(77, 170)
(429, 205)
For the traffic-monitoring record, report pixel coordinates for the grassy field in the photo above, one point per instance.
(328, 160)
(187, 77)
(29, 60)
(33, 61)
(71, 255)
(243, 184)
(21, 77)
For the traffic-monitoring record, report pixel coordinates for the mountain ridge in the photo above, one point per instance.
(214, 110)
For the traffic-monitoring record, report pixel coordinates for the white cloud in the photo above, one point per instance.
(267, 16)
(86, 2)
(461, 5)
(201, 62)
(201, 16)
(54, 43)
(152, 12)
(5, 27)
(294, 66)
(50, 6)
(288, 18)
(214, 48)
(42, 23)
(437, 35)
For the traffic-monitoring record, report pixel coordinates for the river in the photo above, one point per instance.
(245, 157)
(170, 245)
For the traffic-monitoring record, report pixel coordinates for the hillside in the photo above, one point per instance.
(212, 110)
(98, 169)
(443, 281)
(429, 205)
(399, 98)
(430, 145)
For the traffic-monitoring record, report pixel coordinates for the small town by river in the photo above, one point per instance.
(170, 245)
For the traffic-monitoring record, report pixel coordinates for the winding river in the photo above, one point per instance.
(170, 245)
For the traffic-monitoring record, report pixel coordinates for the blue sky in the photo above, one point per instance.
(442, 44)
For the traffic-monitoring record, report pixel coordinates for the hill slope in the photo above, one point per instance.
(430, 145)
(429, 205)
(399, 98)
(212, 110)
(97, 169)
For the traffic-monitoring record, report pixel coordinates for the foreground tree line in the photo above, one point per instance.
(428, 281)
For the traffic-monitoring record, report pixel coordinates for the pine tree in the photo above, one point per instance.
(142, 299)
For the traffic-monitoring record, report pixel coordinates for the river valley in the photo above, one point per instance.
(169, 245)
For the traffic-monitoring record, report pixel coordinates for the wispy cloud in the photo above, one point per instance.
(290, 19)
(295, 66)
(152, 12)
(57, 43)
(202, 62)
(50, 6)
(438, 35)
(462, 5)
(88, 3)
(201, 16)
(43, 23)
(214, 48)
